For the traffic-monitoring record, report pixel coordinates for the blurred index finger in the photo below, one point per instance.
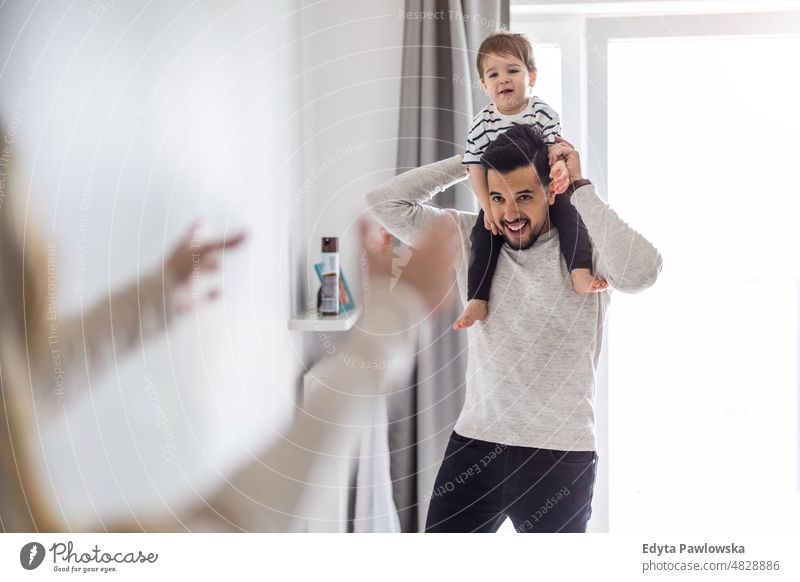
(223, 244)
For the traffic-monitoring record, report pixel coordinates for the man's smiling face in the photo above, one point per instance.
(520, 205)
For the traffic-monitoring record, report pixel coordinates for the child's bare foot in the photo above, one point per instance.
(476, 310)
(584, 282)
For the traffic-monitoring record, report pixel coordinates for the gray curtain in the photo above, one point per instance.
(440, 95)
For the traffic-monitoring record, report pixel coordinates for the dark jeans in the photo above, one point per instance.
(576, 246)
(540, 490)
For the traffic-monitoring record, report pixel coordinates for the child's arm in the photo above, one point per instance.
(550, 122)
(477, 142)
(559, 177)
(477, 178)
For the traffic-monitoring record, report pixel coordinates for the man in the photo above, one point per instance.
(524, 444)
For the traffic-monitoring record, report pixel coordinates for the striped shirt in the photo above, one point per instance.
(490, 123)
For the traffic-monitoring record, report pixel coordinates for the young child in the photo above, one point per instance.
(508, 73)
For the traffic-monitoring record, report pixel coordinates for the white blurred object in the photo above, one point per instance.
(375, 510)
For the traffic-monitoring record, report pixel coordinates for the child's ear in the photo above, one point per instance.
(532, 78)
(485, 88)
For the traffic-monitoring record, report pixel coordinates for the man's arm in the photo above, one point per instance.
(398, 204)
(627, 260)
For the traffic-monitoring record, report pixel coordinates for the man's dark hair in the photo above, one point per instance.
(519, 146)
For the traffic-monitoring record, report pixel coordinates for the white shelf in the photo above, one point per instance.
(312, 321)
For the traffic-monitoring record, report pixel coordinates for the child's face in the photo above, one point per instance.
(507, 82)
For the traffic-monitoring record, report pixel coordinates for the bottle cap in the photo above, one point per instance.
(330, 244)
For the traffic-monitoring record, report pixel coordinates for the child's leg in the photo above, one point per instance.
(482, 263)
(576, 246)
(482, 260)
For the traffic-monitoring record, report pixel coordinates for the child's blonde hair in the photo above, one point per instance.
(502, 42)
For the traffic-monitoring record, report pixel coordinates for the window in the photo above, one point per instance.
(713, 389)
(687, 122)
(548, 74)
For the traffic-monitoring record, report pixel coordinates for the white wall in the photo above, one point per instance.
(276, 117)
(352, 57)
(133, 119)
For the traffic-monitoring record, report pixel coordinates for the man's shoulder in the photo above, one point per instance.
(462, 217)
(464, 220)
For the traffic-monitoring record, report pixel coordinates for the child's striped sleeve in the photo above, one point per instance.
(546, 118)
(477, 140)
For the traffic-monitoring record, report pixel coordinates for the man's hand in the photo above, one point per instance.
(565, 151)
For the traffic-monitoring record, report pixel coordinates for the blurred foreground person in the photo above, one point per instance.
(279, 488)
(270, 494)
(29, 374)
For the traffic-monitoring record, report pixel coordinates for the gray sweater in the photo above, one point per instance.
(532, 362)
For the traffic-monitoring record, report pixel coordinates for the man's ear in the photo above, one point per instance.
(532, 78)
(551, 195)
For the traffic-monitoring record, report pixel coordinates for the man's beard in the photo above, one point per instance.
(522, 244)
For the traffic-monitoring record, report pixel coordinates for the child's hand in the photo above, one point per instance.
(559, 177)
(488, 222)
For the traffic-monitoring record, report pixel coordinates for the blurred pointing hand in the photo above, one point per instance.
(191, 255)
(429, 269)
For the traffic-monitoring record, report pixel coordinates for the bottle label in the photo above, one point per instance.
(330, 294)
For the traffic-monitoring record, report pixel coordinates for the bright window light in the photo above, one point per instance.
(702, 150)
(548, 74)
